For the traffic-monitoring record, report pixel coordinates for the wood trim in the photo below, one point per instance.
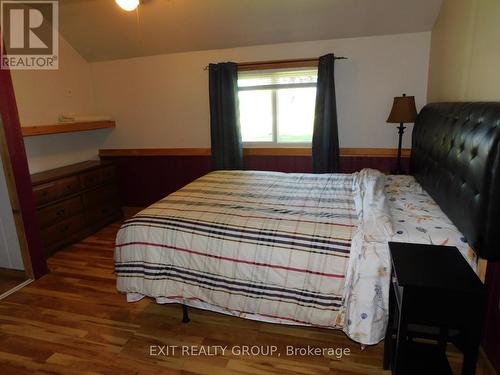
(281, 151)
(30, 131)
(16, 288)
(375, 152)
(277, 151)
(154, 152)
(278, 64)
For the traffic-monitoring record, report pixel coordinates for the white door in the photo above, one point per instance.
(10, 252)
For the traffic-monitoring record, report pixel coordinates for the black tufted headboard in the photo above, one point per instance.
(456, 158)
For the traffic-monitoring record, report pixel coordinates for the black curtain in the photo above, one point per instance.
(325, 142)
(227, 151)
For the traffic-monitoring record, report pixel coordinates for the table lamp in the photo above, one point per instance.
(403, 111)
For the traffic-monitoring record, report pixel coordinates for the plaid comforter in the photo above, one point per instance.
(255, 244)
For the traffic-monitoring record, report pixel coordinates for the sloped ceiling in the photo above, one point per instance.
(99, 30)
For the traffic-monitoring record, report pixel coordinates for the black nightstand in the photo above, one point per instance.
(435, 295)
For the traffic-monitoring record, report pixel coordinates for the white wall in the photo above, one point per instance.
(42, 95)
(162, 101)
(464, 52)
(10, 252)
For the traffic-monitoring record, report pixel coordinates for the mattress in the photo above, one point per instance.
(417, 218)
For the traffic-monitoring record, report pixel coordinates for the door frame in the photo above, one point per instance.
(14, 203)
(19, 180)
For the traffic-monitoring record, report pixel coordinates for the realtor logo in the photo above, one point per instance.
(30, 34)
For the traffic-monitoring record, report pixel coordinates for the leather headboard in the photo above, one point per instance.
(456, 158)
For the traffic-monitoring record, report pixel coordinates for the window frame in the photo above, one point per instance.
(270, 66)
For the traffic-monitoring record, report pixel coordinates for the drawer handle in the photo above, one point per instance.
(61, 212)
(65, 228)
(44, 194)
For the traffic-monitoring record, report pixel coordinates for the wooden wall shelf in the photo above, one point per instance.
(30, 131)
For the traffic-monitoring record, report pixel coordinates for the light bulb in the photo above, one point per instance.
(128, 5)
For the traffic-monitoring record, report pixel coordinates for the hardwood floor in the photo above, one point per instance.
(10, 279)
(73, 321)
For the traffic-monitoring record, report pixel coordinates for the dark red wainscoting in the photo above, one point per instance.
(491, 334)
(144, 180)
(147, 179)
(384, 164)
(287, 164)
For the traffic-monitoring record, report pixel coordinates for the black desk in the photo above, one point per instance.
(433, 288)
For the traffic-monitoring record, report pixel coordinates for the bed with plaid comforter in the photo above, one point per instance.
(284, 248)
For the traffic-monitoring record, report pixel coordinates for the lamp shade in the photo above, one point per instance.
(403, 110)
(128, 5)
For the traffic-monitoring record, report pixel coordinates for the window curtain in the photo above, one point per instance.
(325, 142)
(227, 151)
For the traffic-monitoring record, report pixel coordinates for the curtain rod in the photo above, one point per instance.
(280, 63)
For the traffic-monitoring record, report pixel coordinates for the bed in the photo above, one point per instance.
(310, 249)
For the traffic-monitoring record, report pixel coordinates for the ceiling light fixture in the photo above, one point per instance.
(128, 5)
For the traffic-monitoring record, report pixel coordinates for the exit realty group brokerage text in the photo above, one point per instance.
(247, 350)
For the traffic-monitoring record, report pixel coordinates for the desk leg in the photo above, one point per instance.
(443, 339)
(472, 337)
(471, 351)
(388, 341)
(401, 340)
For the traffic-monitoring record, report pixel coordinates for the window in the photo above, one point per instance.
(277, 106)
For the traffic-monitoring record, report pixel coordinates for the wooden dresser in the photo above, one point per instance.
(75, 201)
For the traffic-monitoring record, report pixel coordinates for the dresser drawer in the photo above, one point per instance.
(91, 179)
(60, 211)
(56, 189)
(45, 193)
(75, 201)
(102, 195)
(67, 186)
(60, 231)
